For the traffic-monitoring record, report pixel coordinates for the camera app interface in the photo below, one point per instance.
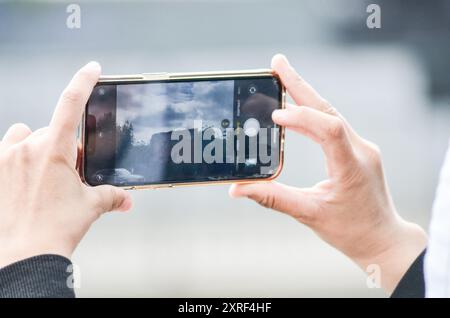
(182, 131)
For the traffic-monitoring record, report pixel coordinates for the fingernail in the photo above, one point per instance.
(93, 65)
(283, 57)
(278, 114)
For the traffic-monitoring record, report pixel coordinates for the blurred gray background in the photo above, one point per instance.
(392, 84)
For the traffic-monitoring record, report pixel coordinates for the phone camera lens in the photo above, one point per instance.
(252, 89)
(225, 123)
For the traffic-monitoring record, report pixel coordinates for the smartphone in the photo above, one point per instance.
(156, 130)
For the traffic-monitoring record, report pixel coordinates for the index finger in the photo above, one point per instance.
(300, 90)
(72, 102)
(328, 131)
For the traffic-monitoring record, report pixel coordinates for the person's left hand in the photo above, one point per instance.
(45, 207)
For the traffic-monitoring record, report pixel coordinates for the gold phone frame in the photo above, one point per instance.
(158, 77)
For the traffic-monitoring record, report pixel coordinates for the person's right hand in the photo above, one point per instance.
(352, 210)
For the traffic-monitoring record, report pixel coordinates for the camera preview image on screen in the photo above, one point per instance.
(182, 131)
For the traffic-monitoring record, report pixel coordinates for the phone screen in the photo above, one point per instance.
(182, 131)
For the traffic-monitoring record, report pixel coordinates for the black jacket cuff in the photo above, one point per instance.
(43, 276)
(412, 284)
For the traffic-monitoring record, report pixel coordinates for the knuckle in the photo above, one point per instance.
(17, 132)
(336, 129)
(19, 127)
(104, 200)
(61, 151)
(56, 157)
(327, 107)
(26, 152)
(22, 153)
(268, 201)
(98, 202)
(375, 157)
(375, 149)
(113, 198)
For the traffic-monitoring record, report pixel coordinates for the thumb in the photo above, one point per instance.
(273, 195)
(109, 198)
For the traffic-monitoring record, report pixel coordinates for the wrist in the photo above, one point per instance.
(18, 252)
(394, 250)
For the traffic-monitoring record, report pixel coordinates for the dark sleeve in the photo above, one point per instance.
(412, 284)
(37, 277)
